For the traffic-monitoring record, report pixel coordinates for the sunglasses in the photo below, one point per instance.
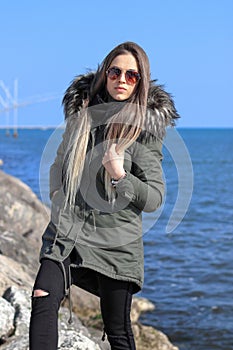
(131, 76)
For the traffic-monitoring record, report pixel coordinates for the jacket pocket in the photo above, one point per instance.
(65, 223)
(57, 204)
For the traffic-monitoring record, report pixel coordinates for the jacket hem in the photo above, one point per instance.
(138, 283)
(110, 274)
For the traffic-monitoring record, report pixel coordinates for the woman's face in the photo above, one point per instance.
(119, 86)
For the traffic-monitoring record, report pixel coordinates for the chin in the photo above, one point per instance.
(119, 97)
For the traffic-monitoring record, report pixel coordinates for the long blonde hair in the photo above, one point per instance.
(124, 126)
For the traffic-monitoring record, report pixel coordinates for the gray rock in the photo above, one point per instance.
(140, 305)
(6, 319)
(18, 343)
(20, 249)
(21, 301)
(78, 332)
(150, 338)
(14, 273)
(21, 212)
(74, 336)
(72, 340)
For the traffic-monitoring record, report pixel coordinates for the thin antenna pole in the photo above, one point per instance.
(7, 123)
(6, 107)
(15, 133)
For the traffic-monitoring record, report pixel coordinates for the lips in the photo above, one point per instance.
(120, 88)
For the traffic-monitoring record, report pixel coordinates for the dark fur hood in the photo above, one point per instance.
(162, 111)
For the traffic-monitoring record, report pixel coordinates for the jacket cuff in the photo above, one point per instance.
(125, 187)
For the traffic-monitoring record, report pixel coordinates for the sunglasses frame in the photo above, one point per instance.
(129, 80)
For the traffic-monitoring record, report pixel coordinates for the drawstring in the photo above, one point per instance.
(65, 279)
(104, 335)
(94, 220)
(67, 285)
(69, 297)
(68, 288)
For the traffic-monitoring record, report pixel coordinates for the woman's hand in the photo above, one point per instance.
(113, 161)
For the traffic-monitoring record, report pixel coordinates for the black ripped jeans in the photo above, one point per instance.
(115, 303)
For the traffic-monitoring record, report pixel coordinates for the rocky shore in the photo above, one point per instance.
(22, 221)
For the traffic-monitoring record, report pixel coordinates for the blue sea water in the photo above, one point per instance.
(189, 271)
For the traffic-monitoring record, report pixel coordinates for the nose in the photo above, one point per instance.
(121, 78)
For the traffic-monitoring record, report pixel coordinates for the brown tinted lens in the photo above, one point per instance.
(132, 77)
(114, 73)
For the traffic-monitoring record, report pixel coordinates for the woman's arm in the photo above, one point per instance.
(144, 185)
(55, 176)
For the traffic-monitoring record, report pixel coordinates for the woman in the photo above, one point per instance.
(106, 172)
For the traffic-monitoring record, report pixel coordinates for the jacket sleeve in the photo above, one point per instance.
(143, 186)
(55, 175)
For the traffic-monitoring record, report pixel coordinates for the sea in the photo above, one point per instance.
(188, 245)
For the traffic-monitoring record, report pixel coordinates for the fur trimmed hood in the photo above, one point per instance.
(162, 111)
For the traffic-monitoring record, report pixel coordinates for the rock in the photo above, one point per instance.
(14, 273)
(70, 339)
(6, 319)
(140, 305)
(23, 219)
(21, 301)
(150, 338)
(18, 343)
(21, 211)
(74, 336)
(20, 249)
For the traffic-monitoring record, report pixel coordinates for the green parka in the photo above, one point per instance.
(107, 237)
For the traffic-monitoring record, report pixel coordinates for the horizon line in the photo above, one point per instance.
(12, 127)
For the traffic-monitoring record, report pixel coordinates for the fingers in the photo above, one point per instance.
(113, 161)
(113, 154)
(114, 149)
(118, 149)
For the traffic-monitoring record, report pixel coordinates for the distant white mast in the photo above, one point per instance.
(7, 122)
(6, 107)
(7, 103)
(15, 104)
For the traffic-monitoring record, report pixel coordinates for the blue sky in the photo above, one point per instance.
(44, 44)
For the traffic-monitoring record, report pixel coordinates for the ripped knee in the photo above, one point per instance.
(40, 293)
